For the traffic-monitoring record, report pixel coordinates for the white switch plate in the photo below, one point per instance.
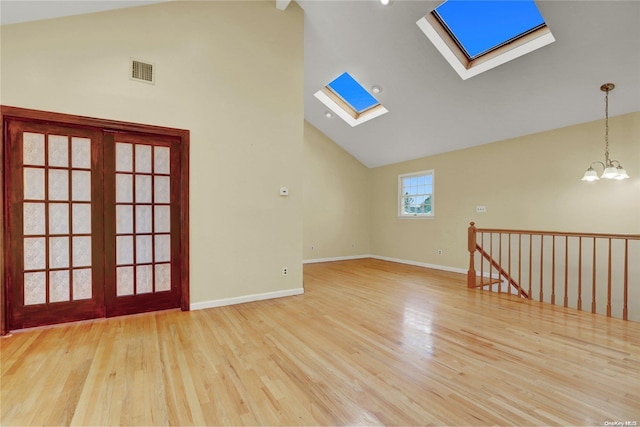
(481, 209)
(284, 191)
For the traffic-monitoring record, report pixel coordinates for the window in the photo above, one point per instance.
(415, 195)
(350, 100)
(475, 36)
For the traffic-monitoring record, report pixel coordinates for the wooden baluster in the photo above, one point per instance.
(625, 312)
(593, 291)
(509, 261)
(579, 273)
(482, 259)
(471, 239)
(553, 269)
(541, 267)
(499, 262)
(609, 282)
(491, 262)
(566, 271)
(530, 264)
(519, 264)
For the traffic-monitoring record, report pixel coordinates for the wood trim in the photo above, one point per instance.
(184, 219)
(459, 53)
(448, 40)
(520, 41)
(560, 233)
(103, 124)
(501, 272)
(347, 108)
(109, 257)
(335, 98)
(3, 235)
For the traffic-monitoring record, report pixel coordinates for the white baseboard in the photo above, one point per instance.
(422, 264)
(245, 298)
(337, 258)
(384, 258)
(297, 291)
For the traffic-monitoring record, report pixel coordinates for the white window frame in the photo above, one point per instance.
(400, 198)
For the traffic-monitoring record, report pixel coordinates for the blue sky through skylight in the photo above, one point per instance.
(480, 25)
(351, 92)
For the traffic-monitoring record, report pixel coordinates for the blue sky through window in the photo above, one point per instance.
(480, 26)
(417, 185)
(351, 92)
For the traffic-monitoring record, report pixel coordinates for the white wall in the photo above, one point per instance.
(531, 182)
(336, 200)
(232, 74)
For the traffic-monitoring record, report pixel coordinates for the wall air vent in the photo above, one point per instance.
(142, 71)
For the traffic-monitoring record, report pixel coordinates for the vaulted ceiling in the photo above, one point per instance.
(431, 109)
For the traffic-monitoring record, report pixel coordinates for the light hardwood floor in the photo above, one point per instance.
(370, 342)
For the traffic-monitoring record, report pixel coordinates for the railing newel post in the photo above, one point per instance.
(471, 245)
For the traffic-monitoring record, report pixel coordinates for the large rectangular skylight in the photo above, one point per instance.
(477, 35)
(481, 26)
(349, 100)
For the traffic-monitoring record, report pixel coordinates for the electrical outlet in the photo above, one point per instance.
(285, 271)
(439, 251)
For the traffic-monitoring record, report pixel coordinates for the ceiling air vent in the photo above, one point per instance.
(142, 71)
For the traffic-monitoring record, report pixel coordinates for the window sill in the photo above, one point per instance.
(416, 217)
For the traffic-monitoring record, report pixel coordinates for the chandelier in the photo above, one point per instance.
(612, 169)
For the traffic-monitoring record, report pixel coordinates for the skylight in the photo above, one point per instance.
(480, 27)
(477, 35)
(350, 100)
(351, 92)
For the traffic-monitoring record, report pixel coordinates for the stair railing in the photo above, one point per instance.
(561, 268)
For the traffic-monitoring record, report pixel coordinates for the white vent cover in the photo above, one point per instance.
(142, 71)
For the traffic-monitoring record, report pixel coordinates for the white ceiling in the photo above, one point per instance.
(432, 110)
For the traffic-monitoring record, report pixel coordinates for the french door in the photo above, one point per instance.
(54, 216)
(93, 222)
(142, 224)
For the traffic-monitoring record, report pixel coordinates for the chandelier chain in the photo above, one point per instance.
(606, 128)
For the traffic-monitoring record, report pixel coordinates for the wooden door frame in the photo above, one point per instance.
(8, 113)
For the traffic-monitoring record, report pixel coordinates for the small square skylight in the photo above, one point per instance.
(351, 92)
(350, 100)
(477, 35)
